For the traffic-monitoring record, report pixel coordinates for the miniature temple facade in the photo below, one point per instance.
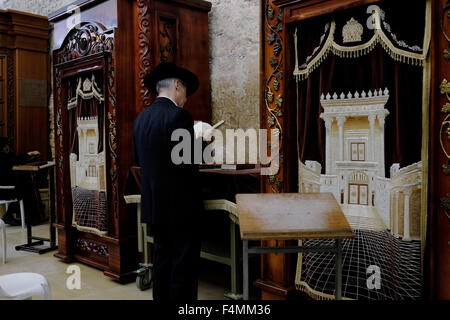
(88, 172)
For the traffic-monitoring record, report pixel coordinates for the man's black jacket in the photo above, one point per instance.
(170, 193)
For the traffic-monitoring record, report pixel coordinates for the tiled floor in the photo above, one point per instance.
(213, 279)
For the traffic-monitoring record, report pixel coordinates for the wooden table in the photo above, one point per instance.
(292, 216)
(33, 168)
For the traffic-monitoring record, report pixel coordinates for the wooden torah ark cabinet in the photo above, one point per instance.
(277, 64)
(24, 81)
(101, 61)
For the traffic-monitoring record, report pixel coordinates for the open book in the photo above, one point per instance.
(201, 128)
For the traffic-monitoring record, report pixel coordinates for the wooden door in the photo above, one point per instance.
(358, 194)
(3, 95)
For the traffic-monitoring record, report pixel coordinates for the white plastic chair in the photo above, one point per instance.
(7, 202)
(20, 286)
(3, 233)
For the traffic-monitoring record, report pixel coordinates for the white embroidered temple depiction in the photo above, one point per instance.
(354, 163)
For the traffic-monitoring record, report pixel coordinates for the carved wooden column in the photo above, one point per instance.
(381, 121)
(277, 271)
(341, 122)
(391, 212)
(372, 119)
(437, 254)
(396, 216)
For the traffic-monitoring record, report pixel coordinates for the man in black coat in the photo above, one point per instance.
(171, 203)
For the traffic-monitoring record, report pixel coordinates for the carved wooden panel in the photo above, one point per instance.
(144, 49)
(273, 84)
(167, 40)
(175, 31)
(277, 271)
(438, 254)
(87, 49)
(24, 46)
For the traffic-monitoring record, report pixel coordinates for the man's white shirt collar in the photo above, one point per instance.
(168, 98)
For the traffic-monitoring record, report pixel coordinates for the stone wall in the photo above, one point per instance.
(234, 42)
(41, 7)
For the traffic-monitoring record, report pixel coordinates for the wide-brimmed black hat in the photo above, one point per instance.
(167, 70)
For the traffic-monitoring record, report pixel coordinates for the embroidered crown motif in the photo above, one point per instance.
(87, 85)
(352, 31)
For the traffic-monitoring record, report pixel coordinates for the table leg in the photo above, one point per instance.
(338, 293)
(140, 237)
(30, 245)
(245, 271)
(236, 272)
(37, 196)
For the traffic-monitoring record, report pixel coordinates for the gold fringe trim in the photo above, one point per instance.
(314, 294)
(304, 287)
(318, 59)
(379, 37)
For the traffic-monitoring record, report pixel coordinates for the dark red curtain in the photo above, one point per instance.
(86, 108)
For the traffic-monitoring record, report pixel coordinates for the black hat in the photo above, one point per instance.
(166, 70)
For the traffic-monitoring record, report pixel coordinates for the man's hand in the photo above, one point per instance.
(34, 153)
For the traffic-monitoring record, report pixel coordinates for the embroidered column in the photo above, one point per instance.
(391, 212)
(85, 146)
(406, 228)
(395, 216)
(341, 122)
(346, 194)
(372, 118)
(328, 150)
(381, 122)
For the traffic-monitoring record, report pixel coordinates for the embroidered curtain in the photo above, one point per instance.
(343, 53)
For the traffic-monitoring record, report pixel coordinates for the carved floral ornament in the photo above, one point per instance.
(445, 90)
(85, 39)
(446, 12)
(444, 134)
(274, 27)
(276, 84)
(92, 247)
